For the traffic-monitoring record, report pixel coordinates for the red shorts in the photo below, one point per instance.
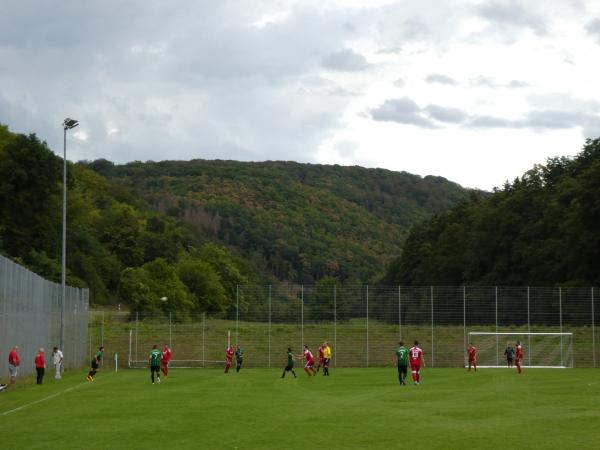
(472, 360)
(415, 366)
(310, 363)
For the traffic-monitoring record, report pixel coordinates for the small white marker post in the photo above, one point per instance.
(116, 362)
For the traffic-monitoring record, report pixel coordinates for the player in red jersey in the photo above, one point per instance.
(310, 362)
(519, 357)
(472, 351)
(321, 358)
(164, 362)
(416, 357)
(229, 354)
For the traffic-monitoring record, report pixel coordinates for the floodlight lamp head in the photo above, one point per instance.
(70, 123)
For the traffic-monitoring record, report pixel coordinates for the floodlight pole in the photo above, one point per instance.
(67, 125)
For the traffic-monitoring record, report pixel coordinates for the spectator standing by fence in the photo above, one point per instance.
(40, 365)
(13, 364)
(57, 359)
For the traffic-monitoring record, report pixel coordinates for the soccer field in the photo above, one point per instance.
(354, 408)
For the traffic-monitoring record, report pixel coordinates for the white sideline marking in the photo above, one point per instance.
(72, 388)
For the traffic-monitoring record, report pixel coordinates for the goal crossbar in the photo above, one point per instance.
(491, 333)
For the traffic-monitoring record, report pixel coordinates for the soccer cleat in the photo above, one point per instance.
(159, 381)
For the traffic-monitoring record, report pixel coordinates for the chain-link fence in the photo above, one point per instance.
(362, 324)
(30, 317)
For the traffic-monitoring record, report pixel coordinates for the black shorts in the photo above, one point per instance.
(326, 362)
(288, 368)
(94, 364)
(154, 368)
(403, 369)
(509, 360)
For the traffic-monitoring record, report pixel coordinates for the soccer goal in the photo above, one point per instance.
(541, 350)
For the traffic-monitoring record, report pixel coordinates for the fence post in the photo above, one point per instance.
(593, 332)
(464, 324)
(170, 335)
(431, 296)
(560, 321)
(137, 313)
(367, 325)
(528, 330)
(301, 316)
(129, 355)
(269, 326)
(237, 311)
(203, 340)
(334, 325)
(102, 338)
(400, 312)
(497, 337)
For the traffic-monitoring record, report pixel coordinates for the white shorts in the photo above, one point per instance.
(12, 370)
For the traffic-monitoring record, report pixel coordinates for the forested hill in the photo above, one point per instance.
(542, 229)
(306, 221)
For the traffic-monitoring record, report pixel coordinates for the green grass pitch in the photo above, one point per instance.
(354, 408)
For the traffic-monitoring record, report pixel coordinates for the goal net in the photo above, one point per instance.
(541, 350)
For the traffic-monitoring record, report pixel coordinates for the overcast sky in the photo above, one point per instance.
(475, 91)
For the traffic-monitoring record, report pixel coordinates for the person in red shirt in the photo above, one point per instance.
(519, 357)
(416, 357)
(310, 362)
(13, 364)
(40, 365)
(472, 351)
(321, 358)
(164, 362)
(229, 354)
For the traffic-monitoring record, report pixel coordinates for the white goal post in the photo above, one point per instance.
(541, 350)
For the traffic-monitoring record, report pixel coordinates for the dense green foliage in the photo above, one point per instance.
(306, 221)
(351, 409)
(542, 229)
(117, 244)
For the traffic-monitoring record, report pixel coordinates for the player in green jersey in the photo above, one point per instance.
(155, 358)
(239, 357)
(95, 364)
(290, 364)
(402, 355)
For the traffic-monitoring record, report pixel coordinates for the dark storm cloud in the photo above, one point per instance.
(441, 79)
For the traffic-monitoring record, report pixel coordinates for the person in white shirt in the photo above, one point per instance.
(57, 358)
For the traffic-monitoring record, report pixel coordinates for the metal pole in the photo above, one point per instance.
(269, 326)
(400, 312)
(64, 244)
(431, 292)
(237, 311)
(129, 357)
(102, 337)
(334, 325)
(497, 337)
(203, 340)
(528, 330)
(367, 325)
(593, 332)
(560, 321)
(302, 316)
(170, 321)
(136, 335)
(465, 323)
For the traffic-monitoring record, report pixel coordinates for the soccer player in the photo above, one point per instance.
(239, 357)
(310, 362)
(417, 358)
(155, 358)
(402, 355)
(326, 358)
(472, 351)
(166, 359)
(321, 358)
(519, 357)
(290, 364)
(229, 355)
(95, 364)
(510, 355)
(57, 359)
(40, 365)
